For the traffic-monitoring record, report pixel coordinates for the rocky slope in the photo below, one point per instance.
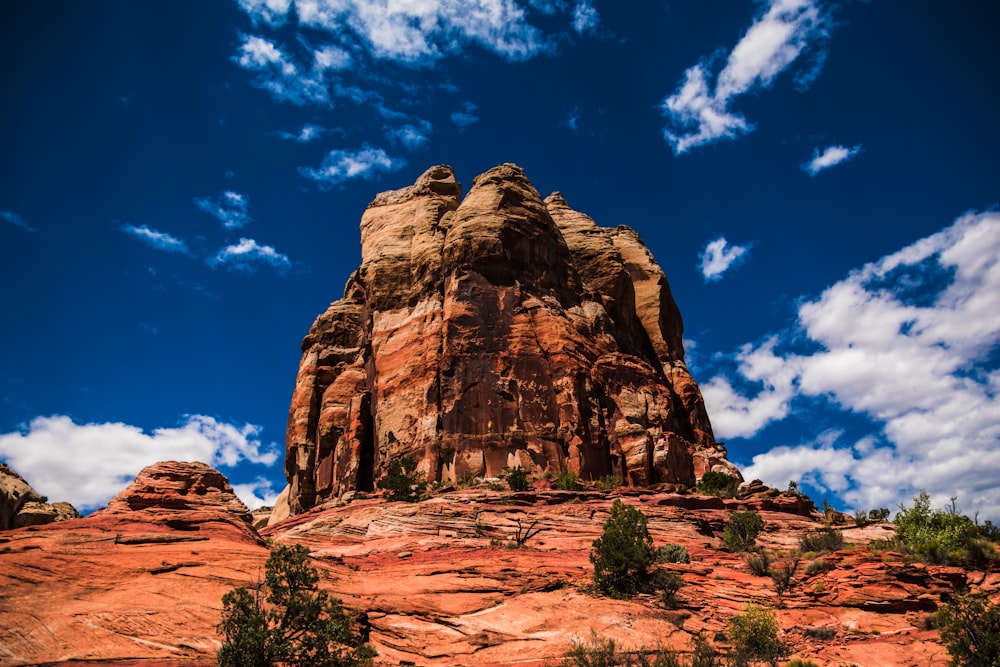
(21, 505)
(442, 582)
(495, 331)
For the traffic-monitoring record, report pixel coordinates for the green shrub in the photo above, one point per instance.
(783, 574)
(823, 632)
(754, 635)
(716, 483)
(740, 533)
(937, 536)
(623, 553)
(517, 479)
(824, 540)
(801, 663)
(608, 482)
(759, 563)
(567, 480)
(667, 583)
(970, 629)
(286, 619)
(672, 553)
(880, 514)
(403, 481)
(817, 566)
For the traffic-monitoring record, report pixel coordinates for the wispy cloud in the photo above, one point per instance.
(907, 341)
(156, 239)
(276, 72)
(573, 119)
(585, 17)
(229, 208)
(718, 257)
(342, 165)
(87, 464)
(830, 156)
(466, 117)
(307, 134)
(700, 112)
(247, 255)
(410, 135)
(17, 221)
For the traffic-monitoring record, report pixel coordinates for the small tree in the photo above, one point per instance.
(740, 534)
(286, 620)
(623, 553)
(517, 479)
(970, 629)
(718, 483)
(754, 634)
(403, 481)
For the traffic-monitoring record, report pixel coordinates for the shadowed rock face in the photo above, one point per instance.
(496, 331)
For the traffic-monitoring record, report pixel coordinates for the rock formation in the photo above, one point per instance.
(497, 331)
(21, 505)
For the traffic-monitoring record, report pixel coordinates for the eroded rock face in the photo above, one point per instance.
(21, 505)
(496, 331)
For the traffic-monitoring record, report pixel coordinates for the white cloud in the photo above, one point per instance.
(159, 240)
(718, 257)
(466, 117)
(831, 156)
(698, 114)
(585, 17)
(16, 220)
(907, 341)
(573, 119)
(87, 464)
(411, 136)
(247, 255)
(307, 134)
(341, 165)
(258, 493)
(230, 208)
(276, 72)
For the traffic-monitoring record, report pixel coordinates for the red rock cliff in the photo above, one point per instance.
(496, 331)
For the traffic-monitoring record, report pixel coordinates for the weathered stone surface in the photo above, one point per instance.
(179, 486)
(21, 505)
(494, 331)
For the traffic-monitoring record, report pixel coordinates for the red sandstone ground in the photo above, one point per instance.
(441, 586)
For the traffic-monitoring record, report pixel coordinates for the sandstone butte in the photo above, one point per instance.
(478, 334)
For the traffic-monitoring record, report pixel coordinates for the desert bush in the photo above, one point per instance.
(824, 540)
(880, 514)
(817, 566)
(754, 635)
(608, 482)
(704, 654)
(567, 480)
(783, 574)
(287, 620)
(672, 553)
(403, 481)
(517, 479)
(801, 663)
(623, 553)
(667, 583)
(716, 483)
(937, 536)
(759, 562)
(823, 632)
(740, 533)
(604, 652)
(970, 630)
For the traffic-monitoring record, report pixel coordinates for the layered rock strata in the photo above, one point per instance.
(21, 505)
(495, 331)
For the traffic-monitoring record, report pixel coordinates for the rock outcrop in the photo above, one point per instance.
(21, 505)
(497, 331)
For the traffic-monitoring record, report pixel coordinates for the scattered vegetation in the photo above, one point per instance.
(740, 533)
(754, 635)
(822, 541)
(830, 514)
(608, 482)
(822, 632)
(523, 534)
(672, 553)
(403, 481)
(605, 652)
(940, 536)
(783, 574)
(817, 566)
(801, 663)
(517, 479)
(759, 562)
(970, 629)
(668, 583)
(622, 555)
(287, 620)
(567, 480)
(716, 483)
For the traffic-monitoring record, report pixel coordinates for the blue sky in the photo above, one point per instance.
(181, 186)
